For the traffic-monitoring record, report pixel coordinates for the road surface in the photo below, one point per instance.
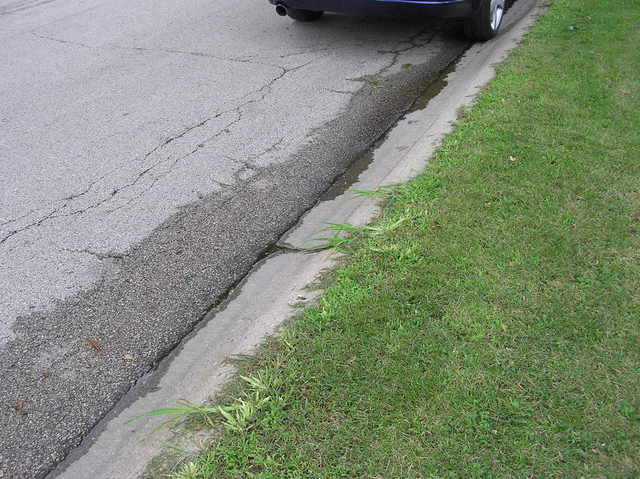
(150, 152)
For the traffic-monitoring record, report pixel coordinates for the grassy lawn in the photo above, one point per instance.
(489, 325)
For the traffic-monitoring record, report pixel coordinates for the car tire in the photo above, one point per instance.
(304, 15)
(485, 23)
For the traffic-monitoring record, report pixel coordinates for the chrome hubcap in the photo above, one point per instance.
(497, 10)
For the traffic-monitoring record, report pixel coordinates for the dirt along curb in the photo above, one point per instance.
(268, 296)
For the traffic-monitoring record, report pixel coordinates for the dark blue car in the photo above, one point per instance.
(482, 17)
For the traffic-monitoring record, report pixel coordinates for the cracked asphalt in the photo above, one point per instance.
(150, 152)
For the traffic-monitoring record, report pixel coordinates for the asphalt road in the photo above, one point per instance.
(150, 152)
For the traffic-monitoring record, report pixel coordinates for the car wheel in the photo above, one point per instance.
(484, 25)
(304, 15)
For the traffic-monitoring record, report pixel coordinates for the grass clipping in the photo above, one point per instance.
(493, 330)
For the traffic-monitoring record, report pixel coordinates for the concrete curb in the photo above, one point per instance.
(118, 449)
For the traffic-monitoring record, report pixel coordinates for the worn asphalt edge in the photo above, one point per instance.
(504, 44)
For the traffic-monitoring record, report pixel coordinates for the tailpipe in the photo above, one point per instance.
(281, 10)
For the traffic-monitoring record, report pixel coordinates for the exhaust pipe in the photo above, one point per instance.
(281, 10)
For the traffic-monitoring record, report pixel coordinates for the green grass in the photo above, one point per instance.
(488, 325)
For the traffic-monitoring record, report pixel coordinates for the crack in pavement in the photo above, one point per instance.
(13, 220)
(248, 165)
(340, 92)
(19, 6)
(29, 226)
(373, 78)
(413, 44)
(263, 91)
(412, 40)
(97, 254)
(245, 59)
(225, 130)
(268, 150)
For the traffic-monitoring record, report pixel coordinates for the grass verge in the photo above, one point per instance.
(489, 325)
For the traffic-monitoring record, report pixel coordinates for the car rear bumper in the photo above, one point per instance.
(435, 8)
